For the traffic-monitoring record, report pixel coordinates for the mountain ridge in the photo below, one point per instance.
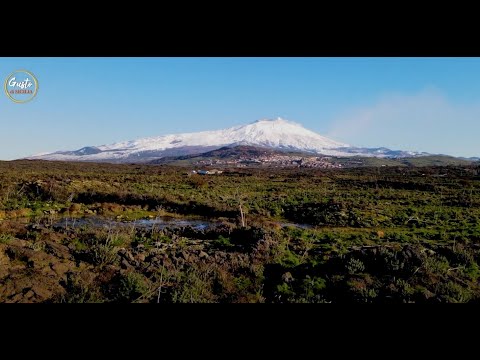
(277, 134)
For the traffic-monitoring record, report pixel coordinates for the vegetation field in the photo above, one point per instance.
(82, 232)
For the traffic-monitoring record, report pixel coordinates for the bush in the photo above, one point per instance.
(223, 242)
(355, 266)
(452, 292)
(5, 238)
(78, 291)
(132, 286)
(103, 254)
(194, 286)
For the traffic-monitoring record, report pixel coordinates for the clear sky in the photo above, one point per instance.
(424, 104)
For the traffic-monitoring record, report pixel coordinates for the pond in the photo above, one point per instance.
(157, 223)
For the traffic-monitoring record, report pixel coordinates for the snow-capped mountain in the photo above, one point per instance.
(279, 134)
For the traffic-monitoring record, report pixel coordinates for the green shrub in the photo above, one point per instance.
(436, 265)
(312, 286)
(77, 291)
(223, 242)
(367, 294)
(355, 266)
(452, 292)
(242, 283)
(289, 259)
(285, 290)
(194, 286)
(132, 286)
(472, 271)
(5, 238)
(103, 254)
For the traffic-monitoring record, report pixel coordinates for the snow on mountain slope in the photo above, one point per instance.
(272, 133)
(279, 133)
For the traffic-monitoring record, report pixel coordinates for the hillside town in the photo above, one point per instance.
(273, 160)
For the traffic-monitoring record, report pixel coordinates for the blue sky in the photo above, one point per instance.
(425, 104)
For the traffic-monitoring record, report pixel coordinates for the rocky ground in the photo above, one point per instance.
(41, 263)
(374, 235)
